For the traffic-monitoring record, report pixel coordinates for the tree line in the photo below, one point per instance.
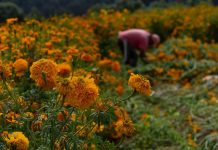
(46, 8)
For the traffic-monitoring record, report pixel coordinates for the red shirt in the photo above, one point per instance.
(137, 38)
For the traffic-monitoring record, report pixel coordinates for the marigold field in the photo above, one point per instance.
(63, 83)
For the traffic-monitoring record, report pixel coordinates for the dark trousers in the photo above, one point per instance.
(131, 56)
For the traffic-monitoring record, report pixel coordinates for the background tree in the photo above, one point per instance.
(48, 8)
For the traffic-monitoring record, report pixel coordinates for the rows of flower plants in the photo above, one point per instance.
(197, 22)
(64, 86)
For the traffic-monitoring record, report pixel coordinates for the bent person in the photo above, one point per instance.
(133, 40)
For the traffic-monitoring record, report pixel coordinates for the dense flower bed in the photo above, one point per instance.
(63, 84)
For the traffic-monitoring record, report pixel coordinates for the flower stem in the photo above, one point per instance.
(8, 90)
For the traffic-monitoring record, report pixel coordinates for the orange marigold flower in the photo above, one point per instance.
(105, 62)
(161, 55)
(17, 140)
(48, 45)
(62, 115)
(28, 40)
(175, 73)
(5, 70)
(115, 66)
(191, 142)
(181, 53)
(80, 72)
(35, 106)
(108, 78)
(119, 89)
(100, 106)
(140, 84)
(64, 70)
(89, 147)
(86, 57)
(72, 51)
(159, 70)
(83, 94)
(212, 55)
(144, 116)
(11, 20)
(112, 54)
(44, 72)
(29, 115)
(186, 84)
(12, 117)
(121, 113)
(20, 66)
(123, 125)
(63, 86)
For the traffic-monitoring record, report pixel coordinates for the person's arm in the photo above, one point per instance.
(143, 51)
(143, 57)
(125, 51)
(145, 47)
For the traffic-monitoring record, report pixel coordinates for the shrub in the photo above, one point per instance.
(212, 28)
(130, 5)
(10, 10)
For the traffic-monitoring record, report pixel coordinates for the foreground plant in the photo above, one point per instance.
(16, 140)
(140, 84)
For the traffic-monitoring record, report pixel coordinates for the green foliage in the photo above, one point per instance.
(159, 4)
(195, 2)
(158, 133)
(212, 28)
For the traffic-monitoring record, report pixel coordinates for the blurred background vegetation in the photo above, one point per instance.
(41, 8)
